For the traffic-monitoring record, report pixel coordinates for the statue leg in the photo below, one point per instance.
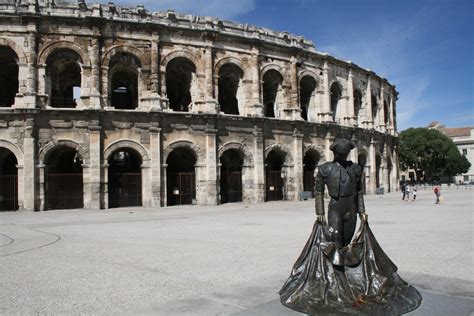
(335, 223)
(349, 226)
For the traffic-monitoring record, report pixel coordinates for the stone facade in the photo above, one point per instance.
(157, 109)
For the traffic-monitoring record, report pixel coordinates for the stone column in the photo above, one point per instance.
(105, 185)
(164, 186)
(92, 186)
(146, 184)
(259, 168)
(381, 111)
(155, 153)
(373, 168)
(298, 163)
(154, 100)
(394, 173)
(294, 92)
(326, 114)
(350, 119)
(369, 122)
(247, 183)
(42, 189)
(29, 72)
(328, 141)
(94, 53)
(256, 106)
(391, 125)
(211, 168)
(207, 102)
(28, 170)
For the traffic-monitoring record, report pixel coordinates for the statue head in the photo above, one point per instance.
(341, 148)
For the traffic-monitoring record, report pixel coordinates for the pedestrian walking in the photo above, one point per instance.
(437, 192)
(404, 190)
(415, 189)
(408, 192)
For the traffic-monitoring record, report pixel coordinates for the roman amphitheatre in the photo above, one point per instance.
(104, 106)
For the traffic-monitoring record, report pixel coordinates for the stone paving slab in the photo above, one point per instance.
(219, 260)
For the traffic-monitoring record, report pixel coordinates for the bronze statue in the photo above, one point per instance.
(333, 274)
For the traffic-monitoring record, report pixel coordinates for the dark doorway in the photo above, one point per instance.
(123, 76)
(179, 79)
(230, 76)
(310, 162)
(8, 76)
(180, 177)
(272, 81)
(375, 107)
(231, 176)
(63, 180)
(336, 93)
(125, 178)
(357, 102)
(362, 161)
(307, 91)
(8, 181)
(273, 176)
(386, 113)
(64, 73)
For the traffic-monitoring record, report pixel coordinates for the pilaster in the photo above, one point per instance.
(92, 187)
(259, 169)
(155, 153)
(298, 163)
(28, 170)
(326, 114)
(211, 168)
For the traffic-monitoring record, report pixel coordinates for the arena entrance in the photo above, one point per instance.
(310, 162)
(275, 186)
(181, 177)
(231, 176)
(63, 180)
(8, 181)
(8, 76)
(125, 178)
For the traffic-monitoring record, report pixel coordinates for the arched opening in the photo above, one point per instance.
(275, 184)
(124, 69)
(272, 81)
(230, 79)
(180, 81)
(378, 171)
(362, 162)
(63, 69)
(8, 76)
(63, 179)
(375, 107)
(310, 162)
(357, 102)
(231, 176)
(125, 178)
(386, 113)
(181, 177)
(8, 181)
(336, 94)
(307, 93)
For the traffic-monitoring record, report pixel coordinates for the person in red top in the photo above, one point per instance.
(437, 193)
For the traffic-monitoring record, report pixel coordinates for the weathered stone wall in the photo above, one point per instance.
(104, 41)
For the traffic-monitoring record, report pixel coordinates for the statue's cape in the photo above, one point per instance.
(357, 279)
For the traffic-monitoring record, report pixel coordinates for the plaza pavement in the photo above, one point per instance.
(218, 260)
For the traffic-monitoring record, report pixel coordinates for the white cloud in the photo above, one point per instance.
(226, 9)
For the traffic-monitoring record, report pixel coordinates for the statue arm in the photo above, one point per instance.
(360, 195)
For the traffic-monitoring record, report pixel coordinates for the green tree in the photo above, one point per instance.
(430, 153)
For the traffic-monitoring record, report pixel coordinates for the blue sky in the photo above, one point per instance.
(424, 47)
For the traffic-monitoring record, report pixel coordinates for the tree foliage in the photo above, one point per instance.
(430, 153)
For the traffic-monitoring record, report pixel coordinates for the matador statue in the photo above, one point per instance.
(337, 272)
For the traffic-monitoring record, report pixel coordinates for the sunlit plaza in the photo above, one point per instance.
(218, 260)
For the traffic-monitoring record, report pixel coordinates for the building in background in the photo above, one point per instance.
(463, 138)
